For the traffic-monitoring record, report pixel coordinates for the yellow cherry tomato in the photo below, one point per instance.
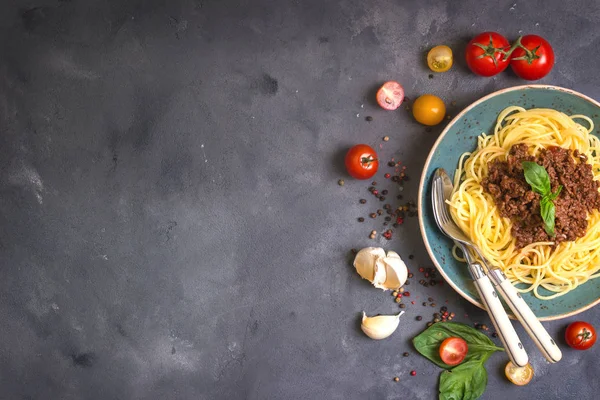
(439, 59)
(429, 110)
(518, 375)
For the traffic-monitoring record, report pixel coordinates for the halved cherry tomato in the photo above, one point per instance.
(390, 95)
(580, 335)
(486, 52)
(453, 350)
(429, 109)
(518, 375)
(439, 59)
(361, 161)
(532, 57)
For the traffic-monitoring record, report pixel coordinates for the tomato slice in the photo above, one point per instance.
(518, 375)
(390, 95)
(453, 350)
(439, 59)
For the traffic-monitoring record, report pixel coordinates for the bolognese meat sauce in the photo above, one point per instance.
(516, 200)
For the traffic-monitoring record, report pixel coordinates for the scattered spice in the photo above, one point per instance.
(410, 256)
(413, 373)
(396, 379)
(368, 118)
(430, 299)
(402, 305)
(410, 275)
(362, 201)
(405, 354)
(373, 215)
(424, 304)
(430, 76)
(361, 219)
(432, 304)
(407, 294)
(394, 293)
(386, 138)
(398, 300)
(341, 182)
(401, 290)
(419, 318)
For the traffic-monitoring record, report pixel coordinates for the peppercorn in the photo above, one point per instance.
(398, 300)
(379, 212)
(387, 207)
(452, 314)
(406, 283)
(430, 299)
(424, 304)
(484, 327)
(401, 290)
(394, 293)
(391, 164)
(374, 183)
(396, 379)
(371, 236)
(375, 192)
(410, 275)
(402, 305)
(384, 192)
(405, 354)
(419, 318)
(429, 324)
(413, 373)
(368, 118)
(373, 232)
(450, 318)
(362, 201)
(361, 219)
(386, 138)
(388, 218)
(373, 215)
(410, 256)
(436, 315)
(407, 294)
(399, 197)
(341, 182)
(381, 198)
(432, 304)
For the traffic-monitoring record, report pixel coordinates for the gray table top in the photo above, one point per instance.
(172, 227)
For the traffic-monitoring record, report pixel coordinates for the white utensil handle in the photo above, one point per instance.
(532, 325)
(506, 331)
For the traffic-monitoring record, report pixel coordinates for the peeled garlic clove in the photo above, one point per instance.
(364, 262)
(395, 271)
(380, 326)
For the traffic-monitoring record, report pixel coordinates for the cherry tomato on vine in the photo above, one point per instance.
(518, 375)
(439, 59)
(580, 335)
(532, 57)
(390, 95)
(429, 109)
(361, 161)
(453, 350)
(486, 53)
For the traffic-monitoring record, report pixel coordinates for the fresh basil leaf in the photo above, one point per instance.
(428, 342)
(537, 177)
(548, 211)
(554, 195)
(466, 381)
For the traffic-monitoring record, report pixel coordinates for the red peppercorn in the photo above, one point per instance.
(399, 295)
(413, 373)
(421, 269)
(375, 192)
(407, 294)
(426, 274)
(386, 176)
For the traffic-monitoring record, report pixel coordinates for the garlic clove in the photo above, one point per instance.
(395, 271)
(380, 326)
(380, 274)
(364, 262)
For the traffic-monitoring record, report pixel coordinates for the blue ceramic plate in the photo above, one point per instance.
(460, 136)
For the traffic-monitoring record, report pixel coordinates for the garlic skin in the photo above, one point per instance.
(380, 326)
(387, 272)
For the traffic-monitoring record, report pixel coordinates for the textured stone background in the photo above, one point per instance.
(170, 221)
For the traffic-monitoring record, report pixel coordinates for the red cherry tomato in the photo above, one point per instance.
(580, 335)
(390, 95)
(486, 54)
(453, 350)
(361, 161)
(533, 59)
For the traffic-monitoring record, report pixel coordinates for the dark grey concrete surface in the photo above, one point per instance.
(170, 221)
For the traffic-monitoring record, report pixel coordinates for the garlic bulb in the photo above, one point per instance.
(380, 326)
(385, 272)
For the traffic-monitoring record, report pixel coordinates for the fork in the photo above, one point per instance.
(512, 297)
(489, 297)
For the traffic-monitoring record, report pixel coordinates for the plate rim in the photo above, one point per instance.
(424, 178)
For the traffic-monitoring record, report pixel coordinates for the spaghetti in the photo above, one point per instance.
(558, 268)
